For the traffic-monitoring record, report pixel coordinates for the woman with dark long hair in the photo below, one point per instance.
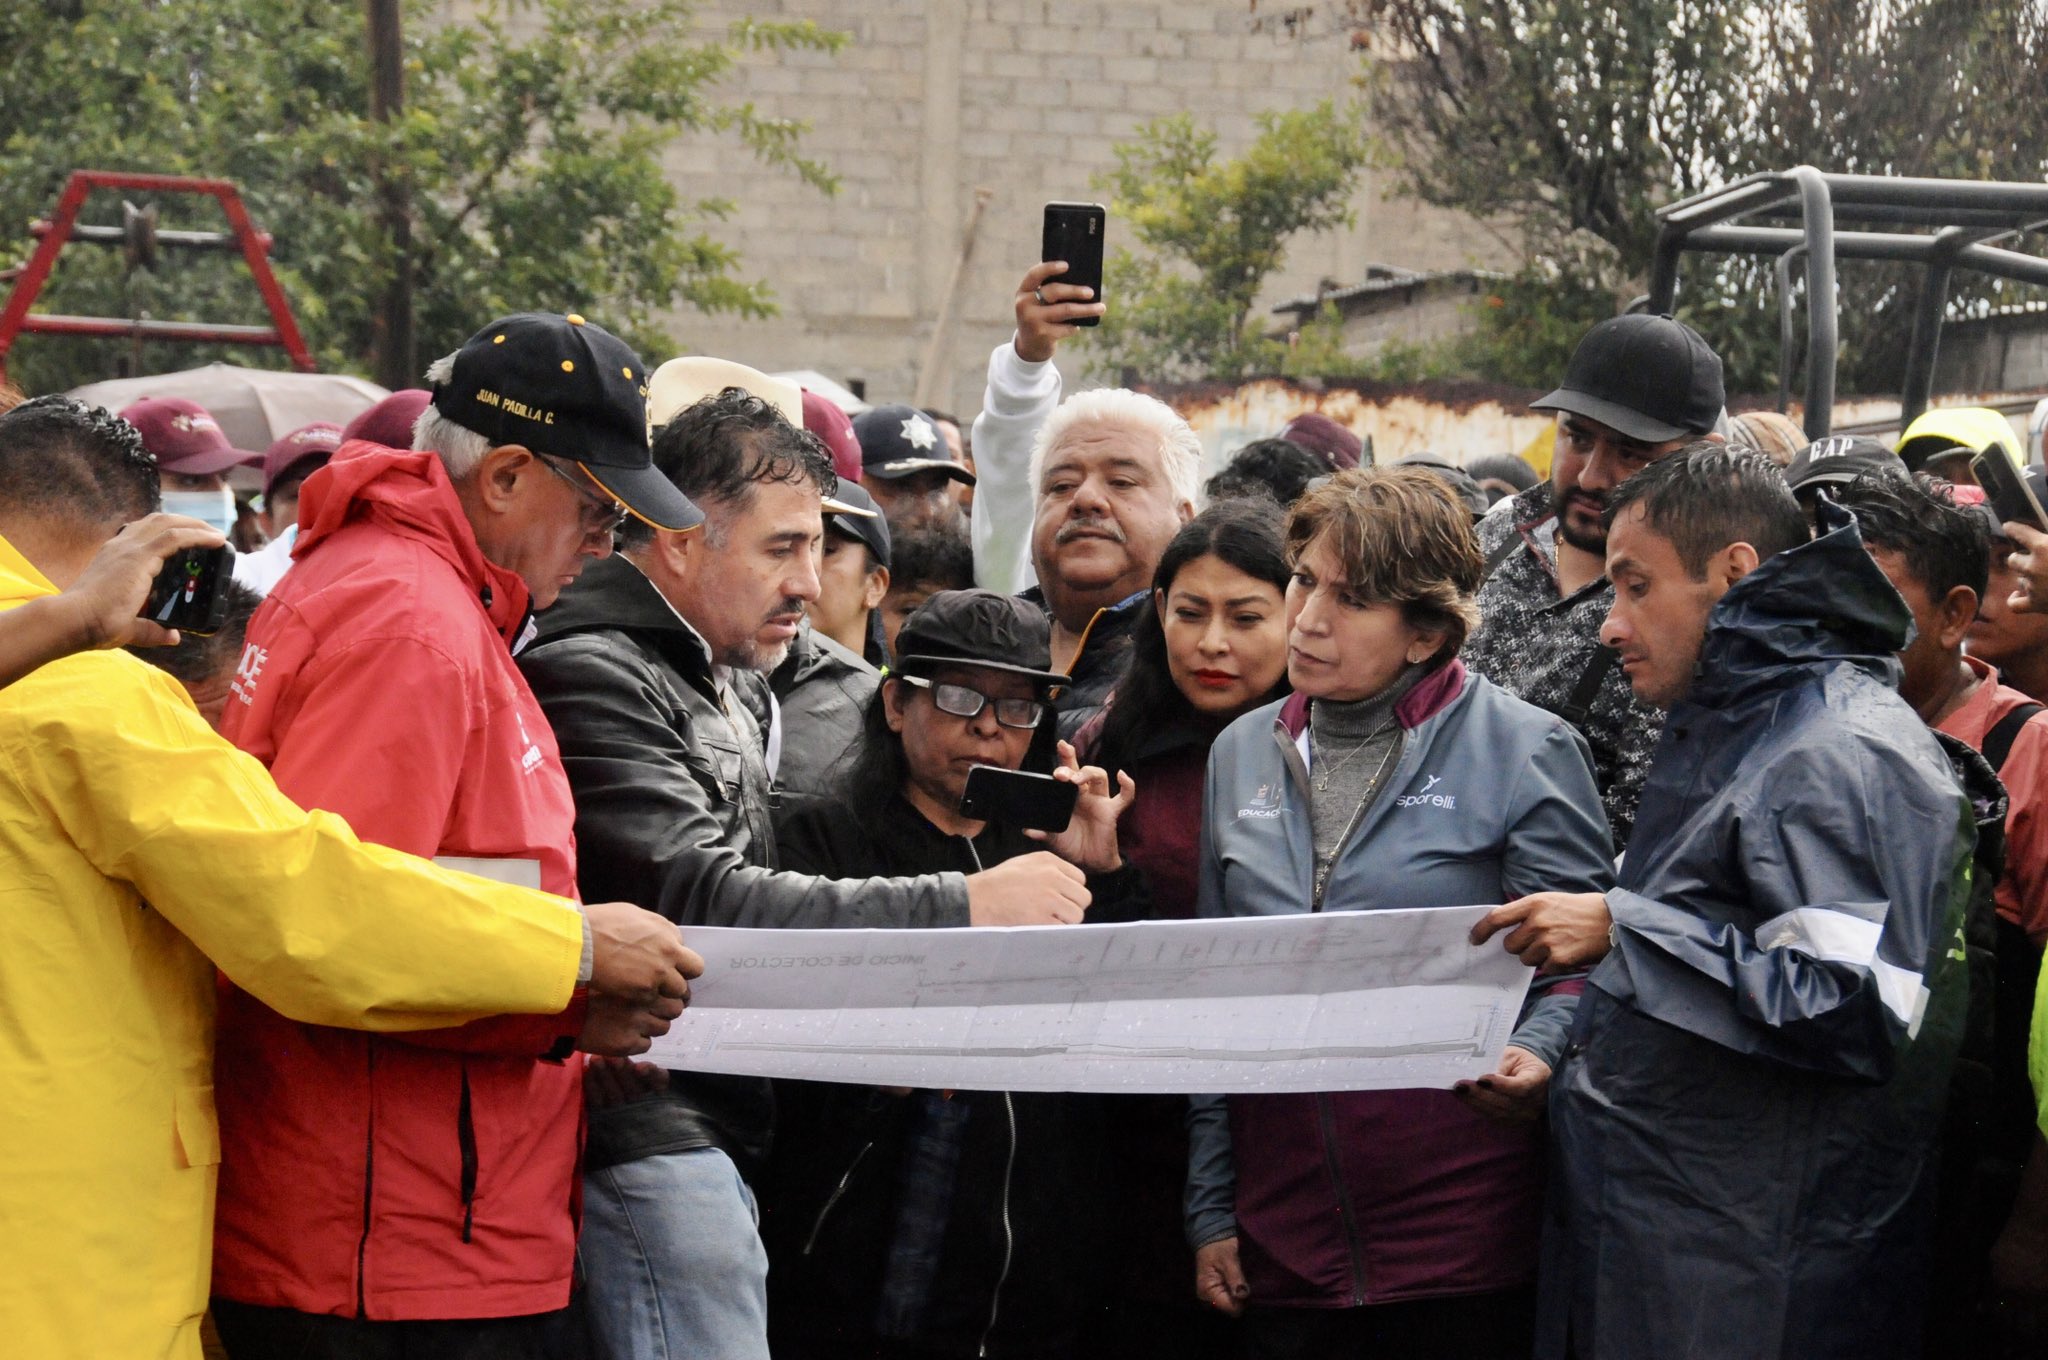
(1211, 645)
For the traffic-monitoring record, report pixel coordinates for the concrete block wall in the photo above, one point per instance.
(1026, 97)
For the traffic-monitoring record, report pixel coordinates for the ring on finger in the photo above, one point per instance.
(1039, 294)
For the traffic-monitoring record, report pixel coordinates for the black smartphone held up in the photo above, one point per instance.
(1017, 798)
(1073, 232)
(190, 593)
(2005, 487)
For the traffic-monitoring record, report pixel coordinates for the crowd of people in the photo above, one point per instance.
(332, 937)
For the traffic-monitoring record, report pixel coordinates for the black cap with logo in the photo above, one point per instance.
(563, 387)
(978, 628)
(1650, 377)
(1839, 460)
(896, 441)
(864, 525)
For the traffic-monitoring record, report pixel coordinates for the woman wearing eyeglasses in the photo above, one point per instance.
(943, 1223)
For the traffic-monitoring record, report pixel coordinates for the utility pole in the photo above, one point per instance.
(394, 354)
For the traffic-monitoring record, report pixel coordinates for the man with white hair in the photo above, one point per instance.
(416, 1194)
(1111, 475)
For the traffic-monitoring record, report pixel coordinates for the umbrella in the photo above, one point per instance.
(253, 405)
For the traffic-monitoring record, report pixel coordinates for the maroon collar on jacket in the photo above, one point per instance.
(1430, 697)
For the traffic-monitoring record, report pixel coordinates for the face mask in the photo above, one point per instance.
(213, 507)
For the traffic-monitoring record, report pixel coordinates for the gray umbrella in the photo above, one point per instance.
(253, 405)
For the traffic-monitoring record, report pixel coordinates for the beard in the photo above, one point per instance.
(752, 654)
(1585, 540)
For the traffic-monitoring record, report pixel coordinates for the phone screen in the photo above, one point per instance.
(2005, 487)
(1073, 232)
(1016, 798)
(189, 591)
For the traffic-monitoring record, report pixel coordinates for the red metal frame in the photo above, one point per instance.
(16, 320)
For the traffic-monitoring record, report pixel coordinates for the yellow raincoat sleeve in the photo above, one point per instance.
(289, 904)
(2037, 1051)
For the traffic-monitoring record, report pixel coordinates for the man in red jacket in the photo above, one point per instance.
(417, 1194)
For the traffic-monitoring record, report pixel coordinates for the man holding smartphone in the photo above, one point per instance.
(138, 853)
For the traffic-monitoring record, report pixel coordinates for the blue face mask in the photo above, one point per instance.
(212, 507)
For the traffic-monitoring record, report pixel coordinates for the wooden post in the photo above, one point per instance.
(394, 354)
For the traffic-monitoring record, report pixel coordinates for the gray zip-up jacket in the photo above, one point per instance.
(1411, 1195)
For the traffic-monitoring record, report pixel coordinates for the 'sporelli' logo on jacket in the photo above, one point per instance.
(1422, 797)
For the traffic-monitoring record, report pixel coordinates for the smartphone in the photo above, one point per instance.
(190, 593)
(2005, 487)
(1017, 798)
(1073, 232)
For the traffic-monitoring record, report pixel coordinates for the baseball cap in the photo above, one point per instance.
(1456, 478)
(978, 628)
(1326, 439)
(563, 387)
(823, 418)
(308, 448)
(184, 437)
(896, 441)
(390, 421)
(1840, 460)
(1650, 377)
(852, 513)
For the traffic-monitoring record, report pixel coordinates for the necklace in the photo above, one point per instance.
(1325, 770)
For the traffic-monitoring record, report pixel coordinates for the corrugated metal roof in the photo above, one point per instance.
(1391, 278)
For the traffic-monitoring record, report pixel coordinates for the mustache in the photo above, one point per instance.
(792, 605)
(1595, 499)
(1099, 528)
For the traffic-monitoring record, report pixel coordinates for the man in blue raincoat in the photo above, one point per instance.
(1743, 1125)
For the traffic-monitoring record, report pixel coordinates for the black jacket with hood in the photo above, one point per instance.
(1743, 1124)
(674, 812)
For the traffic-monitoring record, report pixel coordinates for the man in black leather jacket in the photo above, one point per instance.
(651, 671)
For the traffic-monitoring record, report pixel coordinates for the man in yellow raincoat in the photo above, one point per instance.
(138, 851)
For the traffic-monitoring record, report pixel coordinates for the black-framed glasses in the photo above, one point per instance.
(962, 702)
(602, 513)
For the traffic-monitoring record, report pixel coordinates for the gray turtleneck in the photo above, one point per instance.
(1353, 747)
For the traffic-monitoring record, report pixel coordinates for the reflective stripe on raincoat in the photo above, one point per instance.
(1742, 1126)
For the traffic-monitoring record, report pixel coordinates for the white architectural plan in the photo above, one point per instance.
(1371, 1000)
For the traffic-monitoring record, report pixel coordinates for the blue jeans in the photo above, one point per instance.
(673, 1260)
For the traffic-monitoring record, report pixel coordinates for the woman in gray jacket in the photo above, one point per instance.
(1387, 1222)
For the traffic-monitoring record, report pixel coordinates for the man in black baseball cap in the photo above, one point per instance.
(1637, 387)
(564, 389)
(1837, 461)
(907, 466)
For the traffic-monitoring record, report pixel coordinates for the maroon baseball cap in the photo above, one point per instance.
(304, 450)
(1326, 439)
(823, 418)
(184, 437)
(390, 421)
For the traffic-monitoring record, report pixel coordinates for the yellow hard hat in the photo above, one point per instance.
(1974, 428)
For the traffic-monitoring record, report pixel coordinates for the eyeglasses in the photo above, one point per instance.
(963, 702)
(602, 514)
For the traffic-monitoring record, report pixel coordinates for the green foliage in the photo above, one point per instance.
(1214, 231)
(1568, 122)
(531, 144)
